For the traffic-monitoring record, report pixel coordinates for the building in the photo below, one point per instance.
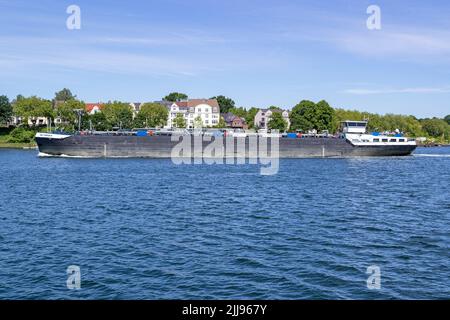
(207, 110)
(32, 121)
(263, 117)
(233, 121)
(135, 107)
(93, 108)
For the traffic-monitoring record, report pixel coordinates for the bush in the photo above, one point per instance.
(21, 135)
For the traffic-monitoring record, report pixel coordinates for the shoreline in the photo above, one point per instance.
(19, 146)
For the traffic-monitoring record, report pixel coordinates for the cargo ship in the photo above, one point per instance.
(352, 141)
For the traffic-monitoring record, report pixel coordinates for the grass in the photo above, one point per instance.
(5, 144)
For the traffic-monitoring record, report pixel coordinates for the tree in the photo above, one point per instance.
(21, 135)
(447, 119)
(225, 103)
(118, 114)
(436, 127)
(389, 122)
(179, 121)
(151, 115)
(222, 123)
(64, 95)
(6, 110)
(250, 117)
(307, 115)
(175, 96)
(277, 122)
(98, 121)
(301, 116)
(198, 122)
(324, 116)
(33, 107)
(66, 111)
(274, 108)
(240, 112)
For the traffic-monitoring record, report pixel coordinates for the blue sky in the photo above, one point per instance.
(259, 53)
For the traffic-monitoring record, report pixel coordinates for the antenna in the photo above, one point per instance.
(80, 113)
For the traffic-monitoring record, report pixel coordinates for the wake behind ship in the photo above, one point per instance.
(352, 142)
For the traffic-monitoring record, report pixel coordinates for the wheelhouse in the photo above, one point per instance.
(354, 126)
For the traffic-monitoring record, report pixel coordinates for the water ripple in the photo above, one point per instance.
(148, 229)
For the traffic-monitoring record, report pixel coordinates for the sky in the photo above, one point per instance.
(257, 52)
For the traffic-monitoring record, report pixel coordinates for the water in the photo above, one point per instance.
(148, 229)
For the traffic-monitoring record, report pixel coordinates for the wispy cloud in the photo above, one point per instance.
(397, 91)
(406, 44)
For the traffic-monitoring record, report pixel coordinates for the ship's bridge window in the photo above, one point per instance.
(393, 140)
(356, 124)
(385, 140)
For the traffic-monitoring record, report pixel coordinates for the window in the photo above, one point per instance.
(393, 140)
(376, 140)
(401, 140)
(385, 140)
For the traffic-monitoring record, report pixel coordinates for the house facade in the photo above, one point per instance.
(32, 121)
(263, 117)
(233, 121)
(93, 108)
(135, 107)
(207, 110)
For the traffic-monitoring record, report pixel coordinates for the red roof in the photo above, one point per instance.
(90, 106)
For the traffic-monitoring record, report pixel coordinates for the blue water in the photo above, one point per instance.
(149, 229)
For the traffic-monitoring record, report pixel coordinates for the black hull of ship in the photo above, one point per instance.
(97, 146)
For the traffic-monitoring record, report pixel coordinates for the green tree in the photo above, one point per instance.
(175, 96)
(447, 119)
(118, 114)
(179, 121)
(307, 115)
(324, 116)
(225, 103)
(151, 115)
(21, 135)
(66, 111)
(98, 121)
(222, 123)
(277, 122)
(302, 116)
(436, 128)
(198, 122)
(64, 95)
(6, 110)
(33, 107)
(389, 122)
(250, 117)
(274, 108)
(240, 112)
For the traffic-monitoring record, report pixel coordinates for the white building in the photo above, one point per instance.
(205, 109)
(93, 108)
(32, 121)
(263, 117)
(135, 107)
